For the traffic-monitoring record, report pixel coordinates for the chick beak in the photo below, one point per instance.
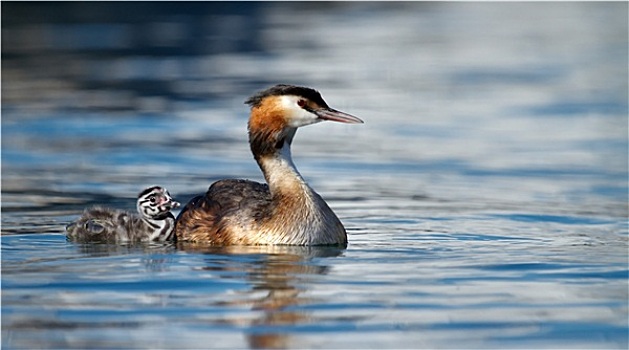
(168, 203)
(336, 116)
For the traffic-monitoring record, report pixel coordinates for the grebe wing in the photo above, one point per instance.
(204, 217)
(233, 193)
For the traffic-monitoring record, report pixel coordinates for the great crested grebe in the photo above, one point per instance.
(283, 211)
(155, 222)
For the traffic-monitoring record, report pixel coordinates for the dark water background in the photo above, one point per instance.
(485, 197)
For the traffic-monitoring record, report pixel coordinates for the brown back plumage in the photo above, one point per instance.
(209, 218)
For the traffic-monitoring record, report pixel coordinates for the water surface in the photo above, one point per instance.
(485, 197)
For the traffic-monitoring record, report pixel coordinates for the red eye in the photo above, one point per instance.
(301, 103)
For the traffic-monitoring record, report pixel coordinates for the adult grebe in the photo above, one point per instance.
(154, 224)
(283, 211)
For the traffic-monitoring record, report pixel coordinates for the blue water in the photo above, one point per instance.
(485, 197)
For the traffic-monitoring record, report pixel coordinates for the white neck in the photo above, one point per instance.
(281, 174)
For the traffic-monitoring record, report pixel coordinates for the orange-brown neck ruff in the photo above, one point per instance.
(267, 128)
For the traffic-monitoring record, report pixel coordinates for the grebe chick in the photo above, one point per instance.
(285, 210)
(153, 223)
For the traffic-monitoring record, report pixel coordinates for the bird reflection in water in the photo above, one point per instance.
(283, 273)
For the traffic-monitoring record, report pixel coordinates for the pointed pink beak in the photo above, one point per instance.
(336, 116)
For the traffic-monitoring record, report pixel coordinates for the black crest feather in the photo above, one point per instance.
(285, 89)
